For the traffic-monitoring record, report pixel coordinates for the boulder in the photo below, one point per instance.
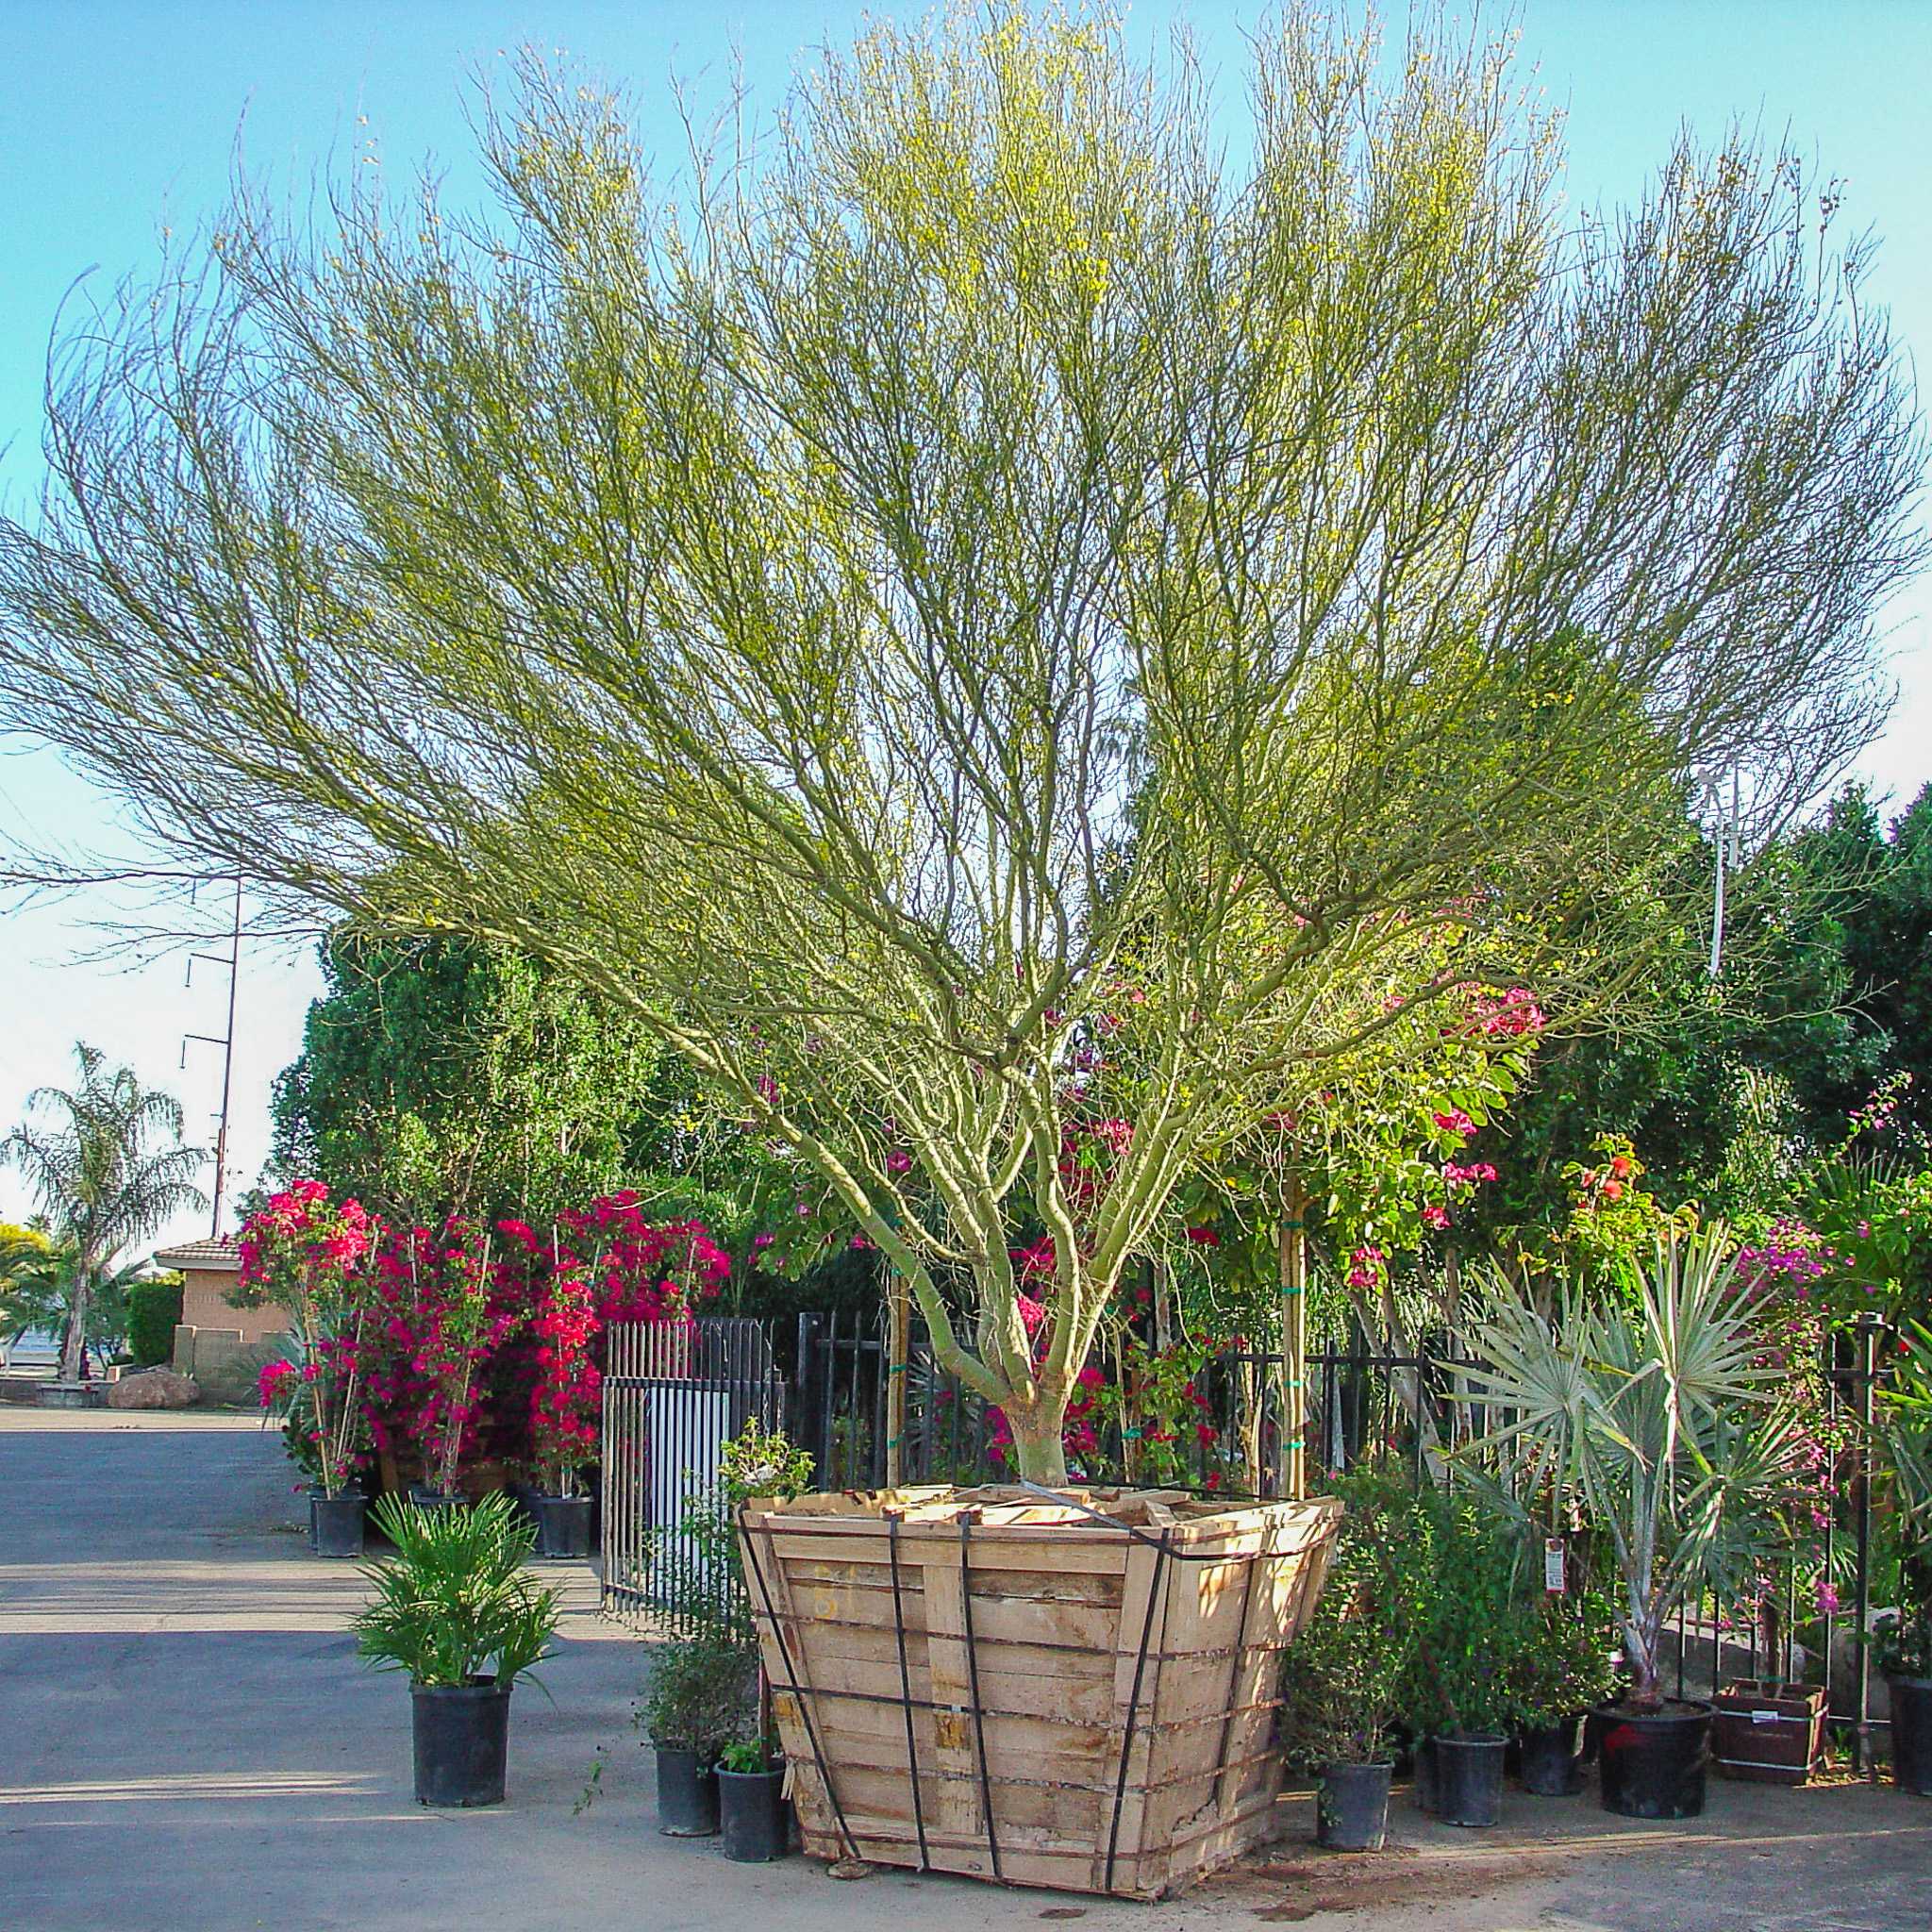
(156, 1388)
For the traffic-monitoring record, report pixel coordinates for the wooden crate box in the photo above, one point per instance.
(1077, 1692)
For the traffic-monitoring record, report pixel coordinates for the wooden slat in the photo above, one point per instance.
(1058, 1608)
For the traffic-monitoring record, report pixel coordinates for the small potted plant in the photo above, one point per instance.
(756, 1822)
(308, 1252)
(457, 1611)
(1560, 1669)
(1465, 1653)
(564, 1410)
(1342, 1681)
(1655, 1408)
(702, 1693)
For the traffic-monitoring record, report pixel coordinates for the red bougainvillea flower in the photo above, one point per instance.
(273, 1380)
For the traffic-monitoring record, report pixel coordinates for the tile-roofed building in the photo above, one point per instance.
(209, 1273)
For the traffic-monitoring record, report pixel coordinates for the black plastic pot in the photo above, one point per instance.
(1424, 1789)
(462, 1741)
(334, 1524)
(426, 1498)
(563, 1526)
(315, 1489)
(687, 1793)
(1651, 1764)
(1469, 1779)
(1912, 1734)
(750, 1809)
(1351, 1806)
(1550, 1761)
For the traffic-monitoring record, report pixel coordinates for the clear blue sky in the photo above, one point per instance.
(123, 118)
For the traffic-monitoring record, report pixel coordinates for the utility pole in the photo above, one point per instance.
(225, 1041)
(1727, 846)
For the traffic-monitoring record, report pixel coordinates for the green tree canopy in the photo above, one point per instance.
(1028, 649)
(445, 1075)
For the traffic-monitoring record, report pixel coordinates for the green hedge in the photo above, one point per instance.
(153, 1309)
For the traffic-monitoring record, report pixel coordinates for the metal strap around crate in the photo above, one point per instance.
(1163, 1547)
(906, 1689)
(1241, 1657)
(993, 1842)
(792, 1684)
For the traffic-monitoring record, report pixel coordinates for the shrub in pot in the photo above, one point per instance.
(459, 1612)
(1655, 1408)
(308, 1252)
(702, 1693)
(1342, 1682)
(756, 1823)
(1560, 1669)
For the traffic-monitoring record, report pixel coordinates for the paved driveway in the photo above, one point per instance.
(188, 1744)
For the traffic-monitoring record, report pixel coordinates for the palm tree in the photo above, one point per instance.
(99, 1182)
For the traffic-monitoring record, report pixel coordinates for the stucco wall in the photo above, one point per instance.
(204, 1305)
(225, 1363)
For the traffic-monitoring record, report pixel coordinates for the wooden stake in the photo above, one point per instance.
(1295, 1341)
(899, 1348)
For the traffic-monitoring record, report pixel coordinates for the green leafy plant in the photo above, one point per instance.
(455, 1606)
(1559, 1659)
(745, 1754)
(1345, 1679)
(702, 1693)
(154, 1306)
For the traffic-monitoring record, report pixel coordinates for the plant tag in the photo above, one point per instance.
(1553, 1565)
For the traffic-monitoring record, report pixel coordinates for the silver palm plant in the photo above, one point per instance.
(1653, 1404)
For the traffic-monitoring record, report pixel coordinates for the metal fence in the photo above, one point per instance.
(674, 1393)
(1367, 1398)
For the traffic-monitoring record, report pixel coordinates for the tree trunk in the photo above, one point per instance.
(1038, 1449)
(75, 1336)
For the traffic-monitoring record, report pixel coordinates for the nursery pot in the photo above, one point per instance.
(1552, 1759)
(424, 1497)
(751, 1808)
(1653, 1762)
(462, 1741)
(335, 1522)
(563, 1526)
(687, 1793)
(1912, 1734)
(1468, 1777)
(1424, 1789)
(1351, 1806)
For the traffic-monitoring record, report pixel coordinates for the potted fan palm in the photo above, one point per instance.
(458, 1610)
(1655, 1407)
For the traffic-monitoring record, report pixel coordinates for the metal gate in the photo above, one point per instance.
(674, 1392)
